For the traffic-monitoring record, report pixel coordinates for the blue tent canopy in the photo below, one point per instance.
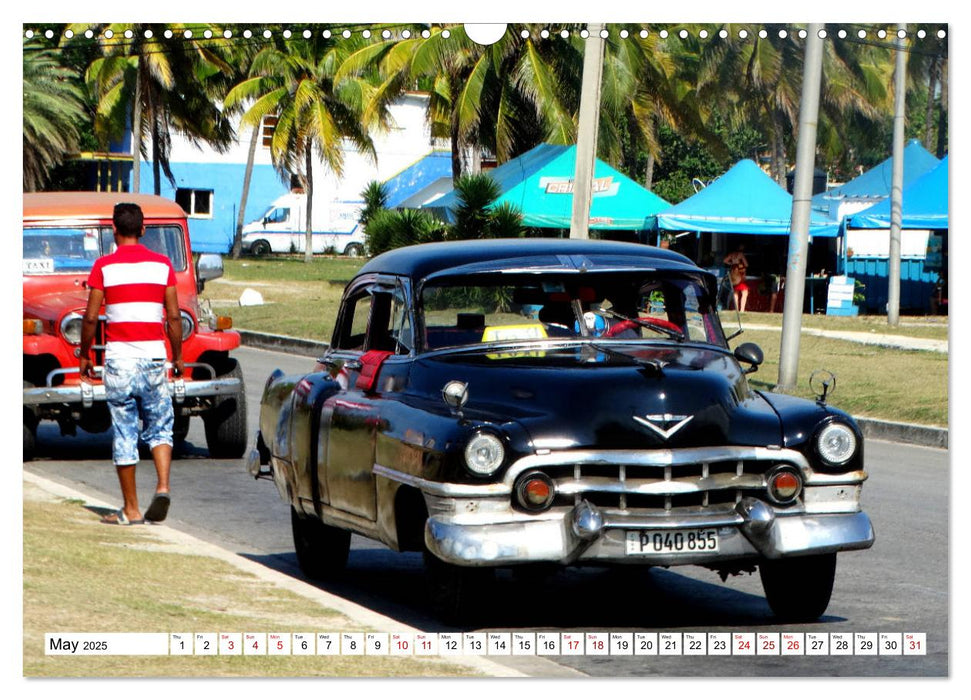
(539, 183)
(743, 200)
(925, 204)
(874, 184)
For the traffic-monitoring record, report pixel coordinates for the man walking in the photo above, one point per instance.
(137, 288)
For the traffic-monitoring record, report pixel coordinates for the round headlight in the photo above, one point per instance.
(71, 328)
(187, 325)
(836, 444)
(484, 454)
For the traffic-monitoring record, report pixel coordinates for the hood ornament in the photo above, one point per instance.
(664, 424)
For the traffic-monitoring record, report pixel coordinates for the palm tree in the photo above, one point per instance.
(296, 81)
(53, 108)
(161, 84)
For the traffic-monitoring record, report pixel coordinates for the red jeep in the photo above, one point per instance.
(64, 233)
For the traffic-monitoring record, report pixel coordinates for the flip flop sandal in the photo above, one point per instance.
(159, 508)
(119, 518)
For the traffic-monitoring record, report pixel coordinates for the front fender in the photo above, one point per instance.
(289, 425)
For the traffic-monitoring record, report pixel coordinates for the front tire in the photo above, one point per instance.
(30, 430)
(226, 422)
(260, 248)
(321, 549)
(798, 589)
(455, 593)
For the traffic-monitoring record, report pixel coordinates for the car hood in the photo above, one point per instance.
(608, 395)
(51, 305)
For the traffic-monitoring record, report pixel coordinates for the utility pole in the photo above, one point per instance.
(801, 199)
(897, 180)
(588, 123)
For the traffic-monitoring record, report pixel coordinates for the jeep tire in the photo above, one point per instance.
(798, 589)
(321, 549)
(226, 421)
(30, 429)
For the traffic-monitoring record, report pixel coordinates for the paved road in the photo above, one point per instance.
(901, 585)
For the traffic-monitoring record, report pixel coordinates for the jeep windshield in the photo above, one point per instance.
(615, 306)
(51, 250)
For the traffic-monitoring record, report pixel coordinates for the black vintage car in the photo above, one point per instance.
(510, 403)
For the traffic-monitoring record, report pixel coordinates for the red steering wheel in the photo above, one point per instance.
(631, 325)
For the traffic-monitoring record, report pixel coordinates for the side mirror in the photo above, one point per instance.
(209, 267)
(750, 354)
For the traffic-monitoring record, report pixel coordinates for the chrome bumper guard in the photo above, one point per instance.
(586, 534)
(87, 394)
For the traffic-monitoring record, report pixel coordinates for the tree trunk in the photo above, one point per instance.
(456, 149)
(649, 175)
(929, 112)
(136, 133)
(156, 160)
(244, 196)
(942, 114)
(308, 253)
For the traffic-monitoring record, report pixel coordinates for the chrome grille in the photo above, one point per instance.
(689, 481)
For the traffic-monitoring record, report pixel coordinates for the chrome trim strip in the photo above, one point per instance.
(437, 488)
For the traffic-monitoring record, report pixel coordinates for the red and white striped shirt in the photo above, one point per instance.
(133, 280)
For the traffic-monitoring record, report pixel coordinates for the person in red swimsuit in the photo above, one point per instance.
(737, 266)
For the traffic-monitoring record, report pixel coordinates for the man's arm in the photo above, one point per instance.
(89, 326)
(173, 328)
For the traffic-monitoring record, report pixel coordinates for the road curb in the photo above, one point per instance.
(358, 613)
(923, 435)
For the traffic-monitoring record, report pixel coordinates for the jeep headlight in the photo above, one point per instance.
(71, 328)
(187, 325)
(484, 454)
(836, 444)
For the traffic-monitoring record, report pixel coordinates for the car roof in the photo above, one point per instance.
(476, 256)
(39, 206)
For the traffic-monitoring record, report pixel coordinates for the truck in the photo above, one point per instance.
(283, 228)
(63, 234)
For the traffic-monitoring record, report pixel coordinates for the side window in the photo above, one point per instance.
(401, 330)
(353, 329)
(375, 319)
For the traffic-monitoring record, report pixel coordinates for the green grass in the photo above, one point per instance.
(871, 381)
(909, 386)
(933, 327)
(81, 576)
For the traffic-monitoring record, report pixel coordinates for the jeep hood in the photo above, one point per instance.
(53, 304)
(608, 395)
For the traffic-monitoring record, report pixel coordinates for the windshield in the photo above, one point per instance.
(73, 249)
(612, 307)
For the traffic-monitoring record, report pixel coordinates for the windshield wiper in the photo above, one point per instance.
(677, 335)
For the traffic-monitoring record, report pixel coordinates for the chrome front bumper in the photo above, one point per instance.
(585, 534)
(87, 394)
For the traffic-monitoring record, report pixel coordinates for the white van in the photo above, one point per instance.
(283, 228)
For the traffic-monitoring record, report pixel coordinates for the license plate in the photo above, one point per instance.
(671, 541)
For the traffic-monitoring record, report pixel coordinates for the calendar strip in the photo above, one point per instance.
(493, 644)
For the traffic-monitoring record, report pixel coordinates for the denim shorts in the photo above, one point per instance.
(137, 388)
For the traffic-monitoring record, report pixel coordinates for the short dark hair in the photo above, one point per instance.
(128, 219)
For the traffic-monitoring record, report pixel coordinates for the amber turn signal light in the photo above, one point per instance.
(33, 326)
(221, 323)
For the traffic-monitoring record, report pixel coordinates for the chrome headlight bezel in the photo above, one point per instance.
(188, 325)
(484, 453)
(70, 328)
(836, 444)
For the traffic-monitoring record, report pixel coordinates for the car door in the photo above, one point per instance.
(368, 335)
